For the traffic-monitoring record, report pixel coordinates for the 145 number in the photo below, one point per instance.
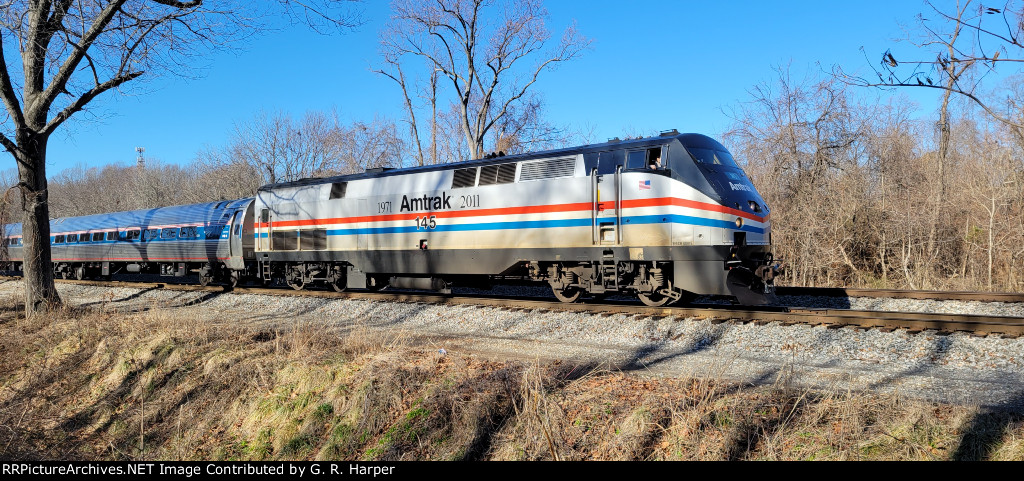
(426, 222)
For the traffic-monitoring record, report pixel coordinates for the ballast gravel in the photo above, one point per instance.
(957, 368)
(1008, 309)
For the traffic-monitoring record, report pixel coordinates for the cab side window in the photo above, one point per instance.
(654, 159)
(649, 159)
(636, 160)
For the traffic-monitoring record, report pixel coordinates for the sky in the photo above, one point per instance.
(652, 66)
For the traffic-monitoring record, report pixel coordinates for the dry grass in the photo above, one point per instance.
(163, 384)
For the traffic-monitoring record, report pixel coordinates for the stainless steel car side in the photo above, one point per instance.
(212, 239)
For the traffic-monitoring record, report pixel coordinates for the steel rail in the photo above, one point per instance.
(901, 294)
(833, 318)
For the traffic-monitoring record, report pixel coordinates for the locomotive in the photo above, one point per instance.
(663, 218)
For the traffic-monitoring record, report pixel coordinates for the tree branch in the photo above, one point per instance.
(180, 5)
(60, 79)
(10, 99)
(85, 98)
(8, 144)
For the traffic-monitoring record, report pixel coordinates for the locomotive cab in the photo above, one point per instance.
(751, 274)
(729, 183)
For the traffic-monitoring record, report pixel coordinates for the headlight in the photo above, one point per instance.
(739, 222)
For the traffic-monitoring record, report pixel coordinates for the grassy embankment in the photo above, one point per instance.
(162, 384)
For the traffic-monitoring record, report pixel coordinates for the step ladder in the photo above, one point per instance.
(265, 268)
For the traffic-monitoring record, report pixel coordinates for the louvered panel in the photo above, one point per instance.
(548, 169)
(488, 175)
(498, 174)
(506, 173)
(464, 178)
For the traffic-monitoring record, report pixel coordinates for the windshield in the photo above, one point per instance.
(712, 157)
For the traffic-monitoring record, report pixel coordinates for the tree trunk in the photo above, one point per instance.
(937, 210)
(40, 291)
(966, 250)
(433, 118)
(883, 262)
(906, 252)
(991, 227)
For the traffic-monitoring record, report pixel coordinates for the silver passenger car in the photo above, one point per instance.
(212, 239)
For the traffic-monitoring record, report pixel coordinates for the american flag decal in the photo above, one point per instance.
(645, 184)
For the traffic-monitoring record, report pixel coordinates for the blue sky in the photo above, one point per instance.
(653, 65)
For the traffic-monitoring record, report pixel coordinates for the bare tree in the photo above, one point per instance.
(451, 141)
(524, 129)
(371, 145)
(72, 52)
(394, 72)
(950, 72)
(481, 48)
(799, 136)
(279, 149)
(222, 176)
(274, 148)
(84, 190)
(283, 149)
(959, 47)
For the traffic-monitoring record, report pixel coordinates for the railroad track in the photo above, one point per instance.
(902, 294)
(941, 323)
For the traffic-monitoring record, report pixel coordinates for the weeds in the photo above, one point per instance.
(169, 383)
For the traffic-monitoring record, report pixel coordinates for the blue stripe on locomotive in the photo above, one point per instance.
(543, 224)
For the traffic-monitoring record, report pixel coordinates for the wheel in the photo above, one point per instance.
(233, 279)
(569, 294)
(79, 273)
(654, 299)
(295, 283)
(64, 274)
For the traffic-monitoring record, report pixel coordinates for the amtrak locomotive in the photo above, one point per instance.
(663, 218)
